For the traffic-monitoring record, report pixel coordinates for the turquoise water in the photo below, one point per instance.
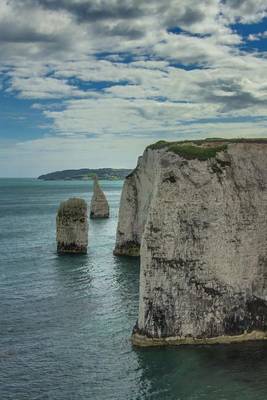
(65, 322)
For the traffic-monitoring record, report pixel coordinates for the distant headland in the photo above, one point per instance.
(86, 174)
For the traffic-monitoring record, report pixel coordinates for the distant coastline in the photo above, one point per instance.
(86, 174)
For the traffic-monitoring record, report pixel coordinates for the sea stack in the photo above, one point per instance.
(72, 227)
(198, 213)
(99, 204)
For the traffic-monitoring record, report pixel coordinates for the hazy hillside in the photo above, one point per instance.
(86, 174)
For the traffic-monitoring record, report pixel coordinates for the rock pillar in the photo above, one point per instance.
(99, 204)
(72, 226)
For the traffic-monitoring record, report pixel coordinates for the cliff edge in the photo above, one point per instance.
(199, 211)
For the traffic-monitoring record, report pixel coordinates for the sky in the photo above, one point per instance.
(90, 83)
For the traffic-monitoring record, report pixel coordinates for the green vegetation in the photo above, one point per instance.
(201, 149)
(159, 145)
(191, 152)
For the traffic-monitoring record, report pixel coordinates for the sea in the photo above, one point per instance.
(66, 321)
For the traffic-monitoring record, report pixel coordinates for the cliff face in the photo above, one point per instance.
(204, 245)
(136, 196)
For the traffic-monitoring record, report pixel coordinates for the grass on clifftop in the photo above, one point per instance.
(191, 152)
(200, 149)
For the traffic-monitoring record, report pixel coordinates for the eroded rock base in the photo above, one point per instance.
(144, 341)
(71, 248)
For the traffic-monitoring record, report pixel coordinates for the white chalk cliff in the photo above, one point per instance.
(135, 202)
(199, 212)
(99, 204)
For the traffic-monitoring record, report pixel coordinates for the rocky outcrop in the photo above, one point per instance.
(72, 226)
(99, 204)
(203, 234)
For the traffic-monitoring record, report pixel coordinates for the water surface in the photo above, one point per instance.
(65, 322)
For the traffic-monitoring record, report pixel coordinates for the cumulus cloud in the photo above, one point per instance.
(231, 94)
(257, 36)
(82, 26)
(245, 11)
(43, 88)
(135, 68)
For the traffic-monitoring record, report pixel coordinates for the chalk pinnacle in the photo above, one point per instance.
(99, 204)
